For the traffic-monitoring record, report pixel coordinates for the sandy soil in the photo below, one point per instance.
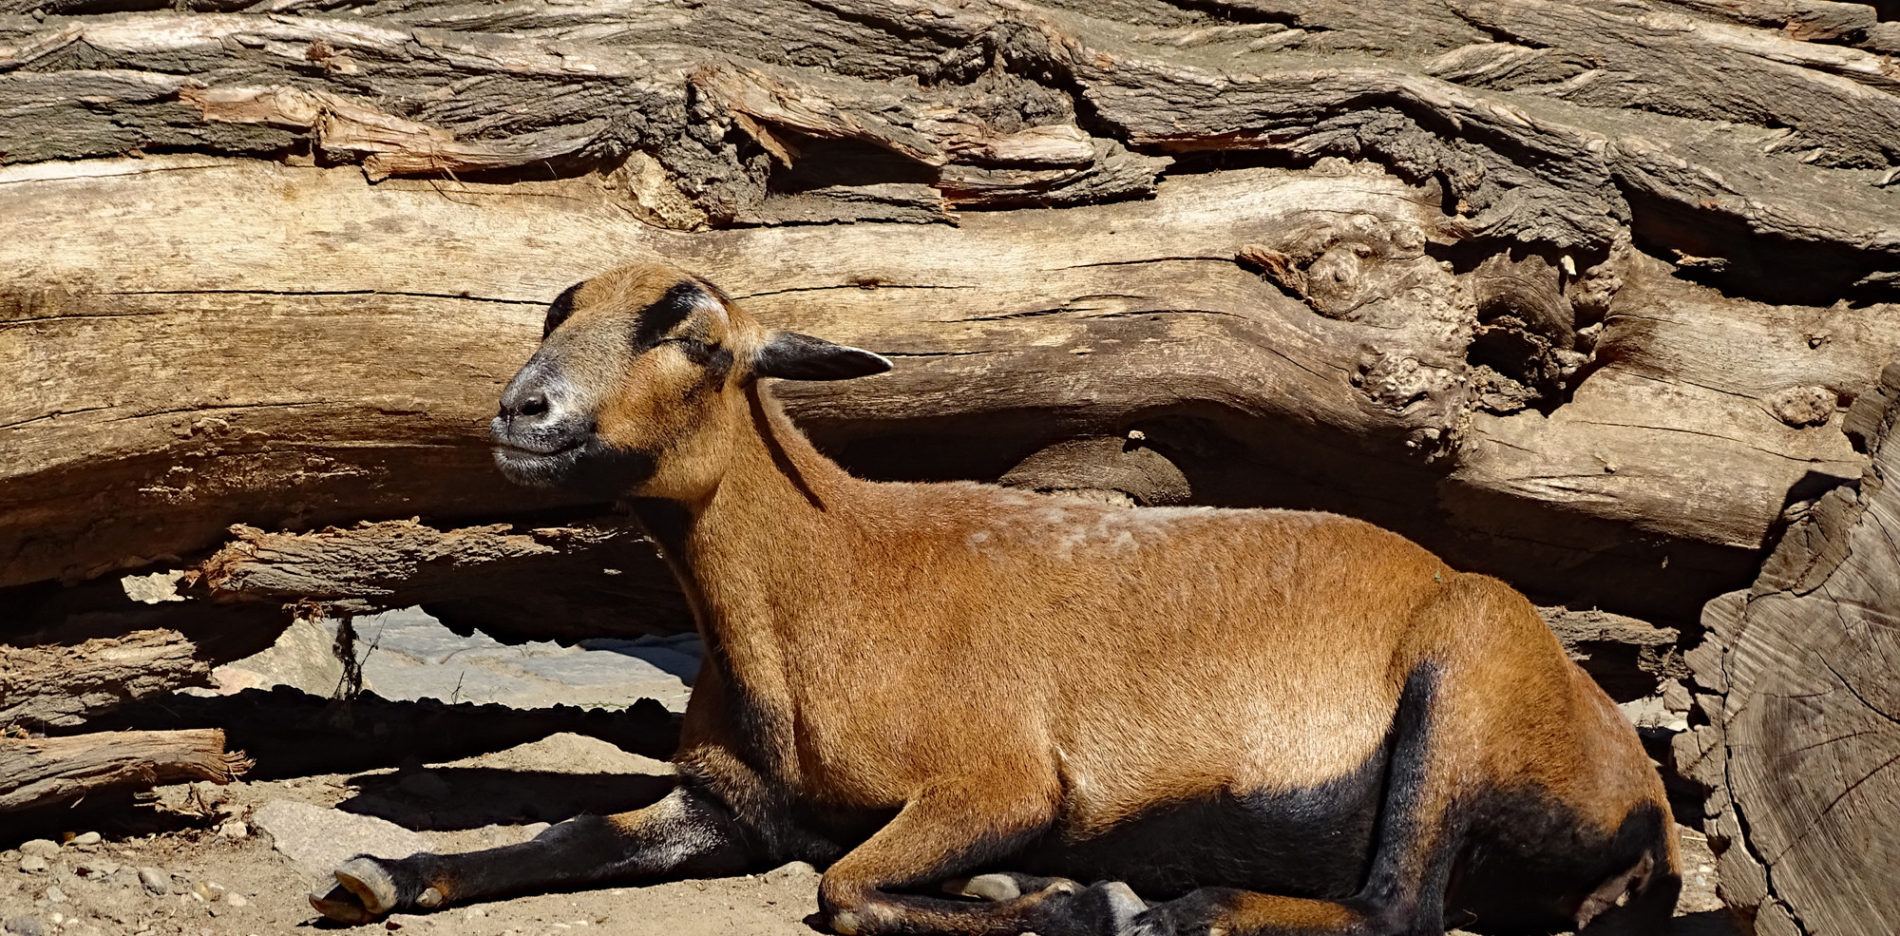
(242, 882)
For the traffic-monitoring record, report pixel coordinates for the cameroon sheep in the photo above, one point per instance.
(1266, 721)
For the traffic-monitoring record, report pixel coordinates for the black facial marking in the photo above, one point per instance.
(716, 359)
(559, 310)
(665, 313)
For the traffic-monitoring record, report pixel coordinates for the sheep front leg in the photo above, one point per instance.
(948, 831)
(684, 834)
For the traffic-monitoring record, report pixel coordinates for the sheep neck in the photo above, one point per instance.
(757, 550)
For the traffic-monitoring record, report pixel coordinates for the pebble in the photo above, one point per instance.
(237, 900)
(24, 925)
(55, 895)
(156, 881)
(33, 864)
(86, 838)
(44, 848)
(234, 830)
(100, 867)
(792, 871)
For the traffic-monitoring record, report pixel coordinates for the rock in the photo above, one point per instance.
(237, 900)
(234, 830)
(416, 657)
(789, 873)
(86, 838)
(425, 784)
(33, 864)
(99, 867)
(55, 895)
(319, 839)
(24, 925)
(155, 880)
(44, 848)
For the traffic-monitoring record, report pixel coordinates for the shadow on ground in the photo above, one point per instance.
(473, 797)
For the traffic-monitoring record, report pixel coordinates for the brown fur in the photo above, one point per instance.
(963, 669)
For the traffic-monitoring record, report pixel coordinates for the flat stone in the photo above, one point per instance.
(156, 880)
(55, 895)
(24, 925)
(319, 839)
(234, 830)
(86, 838)
(407, 654)
(33, 864)
(99, 867)
(44, 848)
(237, 900)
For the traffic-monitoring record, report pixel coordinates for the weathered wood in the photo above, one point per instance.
(1804, 720)
(406, 298)
(54, 686)
(36, 773)
(559, 583)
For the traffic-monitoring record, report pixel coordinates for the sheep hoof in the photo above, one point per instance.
(337, 904)
(372, 885)
(1121, 903)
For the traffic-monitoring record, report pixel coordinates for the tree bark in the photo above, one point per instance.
(548, 583)
(55, 686)
(39, 772)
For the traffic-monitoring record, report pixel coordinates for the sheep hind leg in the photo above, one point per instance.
(1415, 841)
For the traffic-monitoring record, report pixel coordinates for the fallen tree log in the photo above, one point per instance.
(54, 686)
(1378, 409)
(1796, 679)
(36, 773)
(1453, 337)
(547, 583)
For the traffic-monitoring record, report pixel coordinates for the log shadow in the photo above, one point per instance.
(452, 798)
(677, 656)
(1705, 923)
(115, 813)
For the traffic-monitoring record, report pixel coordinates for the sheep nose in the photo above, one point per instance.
(535, 403)
(530, 414)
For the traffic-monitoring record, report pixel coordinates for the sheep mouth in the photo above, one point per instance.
(587, 466)
(538, 467)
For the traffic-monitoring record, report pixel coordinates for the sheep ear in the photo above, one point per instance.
(792, 356)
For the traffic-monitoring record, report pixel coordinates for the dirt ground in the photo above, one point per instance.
(213, 871)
